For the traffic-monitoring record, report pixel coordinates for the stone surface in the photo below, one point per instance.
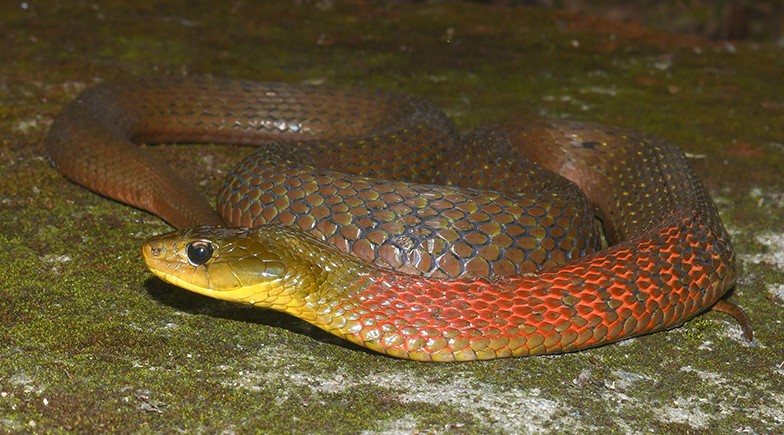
(89, 341)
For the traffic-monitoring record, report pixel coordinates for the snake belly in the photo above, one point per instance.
(500, 259)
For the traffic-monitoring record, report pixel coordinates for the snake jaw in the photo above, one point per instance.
(272, 267)
(227, 269)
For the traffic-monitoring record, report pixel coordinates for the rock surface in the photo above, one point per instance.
(89, 341)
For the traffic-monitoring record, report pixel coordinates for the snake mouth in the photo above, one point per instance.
(170, 272)
(231, 264)
(155, 258)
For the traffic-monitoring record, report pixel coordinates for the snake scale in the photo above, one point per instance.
(482, 247)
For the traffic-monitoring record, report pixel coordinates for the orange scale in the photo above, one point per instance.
(439, 324)
(440, 287)
(494, 307)
(390, 312)
(407, 298)
(371, 306)
(589, 321)
(491, 331)
(461, 287)
(406, 317)
(473, 333)
(583, 309)
(461, 323)
(619, 290)
(423, 305)
(479, 305)
(567, 312)
(417, 308)
(550, 316)
(398, 306)
(624, 313)
(522, 310)
(638, 309)
(554, 303)
(505, 303)
(482, 321)
(460, 305)
(398, 320)
(489, 296)
(453, 296)
(419, 323)
(470, 314)
(593, 276)
(433, 294)
(501, 319)
(449, 314)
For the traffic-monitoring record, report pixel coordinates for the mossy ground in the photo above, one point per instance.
(89, 341)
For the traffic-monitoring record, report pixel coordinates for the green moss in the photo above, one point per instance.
(92, 342)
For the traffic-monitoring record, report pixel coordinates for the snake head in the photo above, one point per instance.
(273, 266)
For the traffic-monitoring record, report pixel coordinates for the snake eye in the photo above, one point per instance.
(199, 252)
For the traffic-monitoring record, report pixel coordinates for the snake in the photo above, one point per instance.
(366, 214)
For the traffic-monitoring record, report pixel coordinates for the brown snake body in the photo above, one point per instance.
(509, 265)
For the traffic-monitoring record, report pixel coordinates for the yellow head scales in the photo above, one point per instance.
(273, 267)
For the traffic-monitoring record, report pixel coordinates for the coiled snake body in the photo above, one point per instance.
(511, 265)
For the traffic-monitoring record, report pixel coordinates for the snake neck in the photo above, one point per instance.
(316, 275)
